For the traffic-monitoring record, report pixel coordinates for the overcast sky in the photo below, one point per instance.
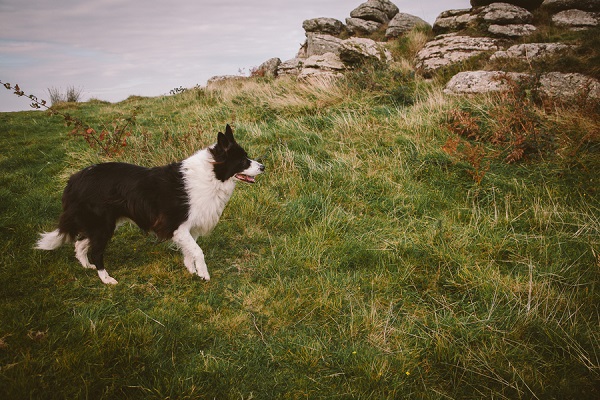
(112, 49)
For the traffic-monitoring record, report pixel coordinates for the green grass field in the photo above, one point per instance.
(366, 263)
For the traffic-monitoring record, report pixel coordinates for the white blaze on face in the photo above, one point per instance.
(251, 172)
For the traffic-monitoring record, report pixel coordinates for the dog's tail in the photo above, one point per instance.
(52, 240)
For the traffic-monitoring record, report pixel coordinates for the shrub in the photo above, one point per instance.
(520, 125)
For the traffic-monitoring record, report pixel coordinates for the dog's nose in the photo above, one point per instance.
(261, 167)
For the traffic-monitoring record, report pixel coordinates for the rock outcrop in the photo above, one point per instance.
(361, 26)
(512, 31)
(472, 82)
(356, 50)
(381, 11)
(328, 26)
(555, 85)
(291, 67)
(498, 19)
(475, 35)
(402, 23)
(569, 86)
(504, 14)
(527, 4)
(327, 38)
(446, 50)
(561, 5)
(576, 19)
(328, 65)
(454, 21)
(318, 44)
(268, 68)
(532, 51)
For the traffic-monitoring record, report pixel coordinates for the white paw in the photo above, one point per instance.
(189, 264)
(111, 281)
(105, 278)
(202, 271)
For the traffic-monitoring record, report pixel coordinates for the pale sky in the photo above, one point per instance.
(111, 49)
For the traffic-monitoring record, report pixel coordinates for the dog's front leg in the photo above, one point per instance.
(193, 257)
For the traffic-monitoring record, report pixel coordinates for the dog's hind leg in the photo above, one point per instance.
(81, 249)
(98, 240)
(97, 258)
(193, 257)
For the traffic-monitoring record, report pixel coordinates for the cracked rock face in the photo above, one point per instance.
(329, 26)
(290, 67)
(516, 19)
(453, 20)
(556, 85)
(402, 23)
(356, 50)
(504, 14)
(576, 19)
(473, 82)
(569, 86)
(326, 65)
(532, 51)
(561, 5)
(512, 31)
(319, 44)
(358, 25)
(328, 61)
(527, 4)
(449, 49)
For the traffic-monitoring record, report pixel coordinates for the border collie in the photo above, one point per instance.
(180, 201)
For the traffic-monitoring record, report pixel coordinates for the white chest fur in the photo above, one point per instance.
(207, 195)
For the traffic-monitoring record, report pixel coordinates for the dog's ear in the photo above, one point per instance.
(223, 142)
(229, 134)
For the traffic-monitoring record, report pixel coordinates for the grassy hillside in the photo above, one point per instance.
(388, 252)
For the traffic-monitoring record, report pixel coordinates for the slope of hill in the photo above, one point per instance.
(403, 244)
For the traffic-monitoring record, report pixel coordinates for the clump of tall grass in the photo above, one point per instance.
(71, 94)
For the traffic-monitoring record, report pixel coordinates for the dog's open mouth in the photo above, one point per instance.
(245, 178)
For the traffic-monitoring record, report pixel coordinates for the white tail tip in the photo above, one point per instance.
(51, 240)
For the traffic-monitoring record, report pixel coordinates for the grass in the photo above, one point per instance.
(366, 262)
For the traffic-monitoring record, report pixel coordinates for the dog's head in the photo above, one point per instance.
(231, 160)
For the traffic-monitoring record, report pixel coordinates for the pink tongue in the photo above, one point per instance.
(245, 178)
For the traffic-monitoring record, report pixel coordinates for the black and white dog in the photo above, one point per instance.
(180, 201)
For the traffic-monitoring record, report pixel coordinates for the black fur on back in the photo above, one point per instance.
(96, 197)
